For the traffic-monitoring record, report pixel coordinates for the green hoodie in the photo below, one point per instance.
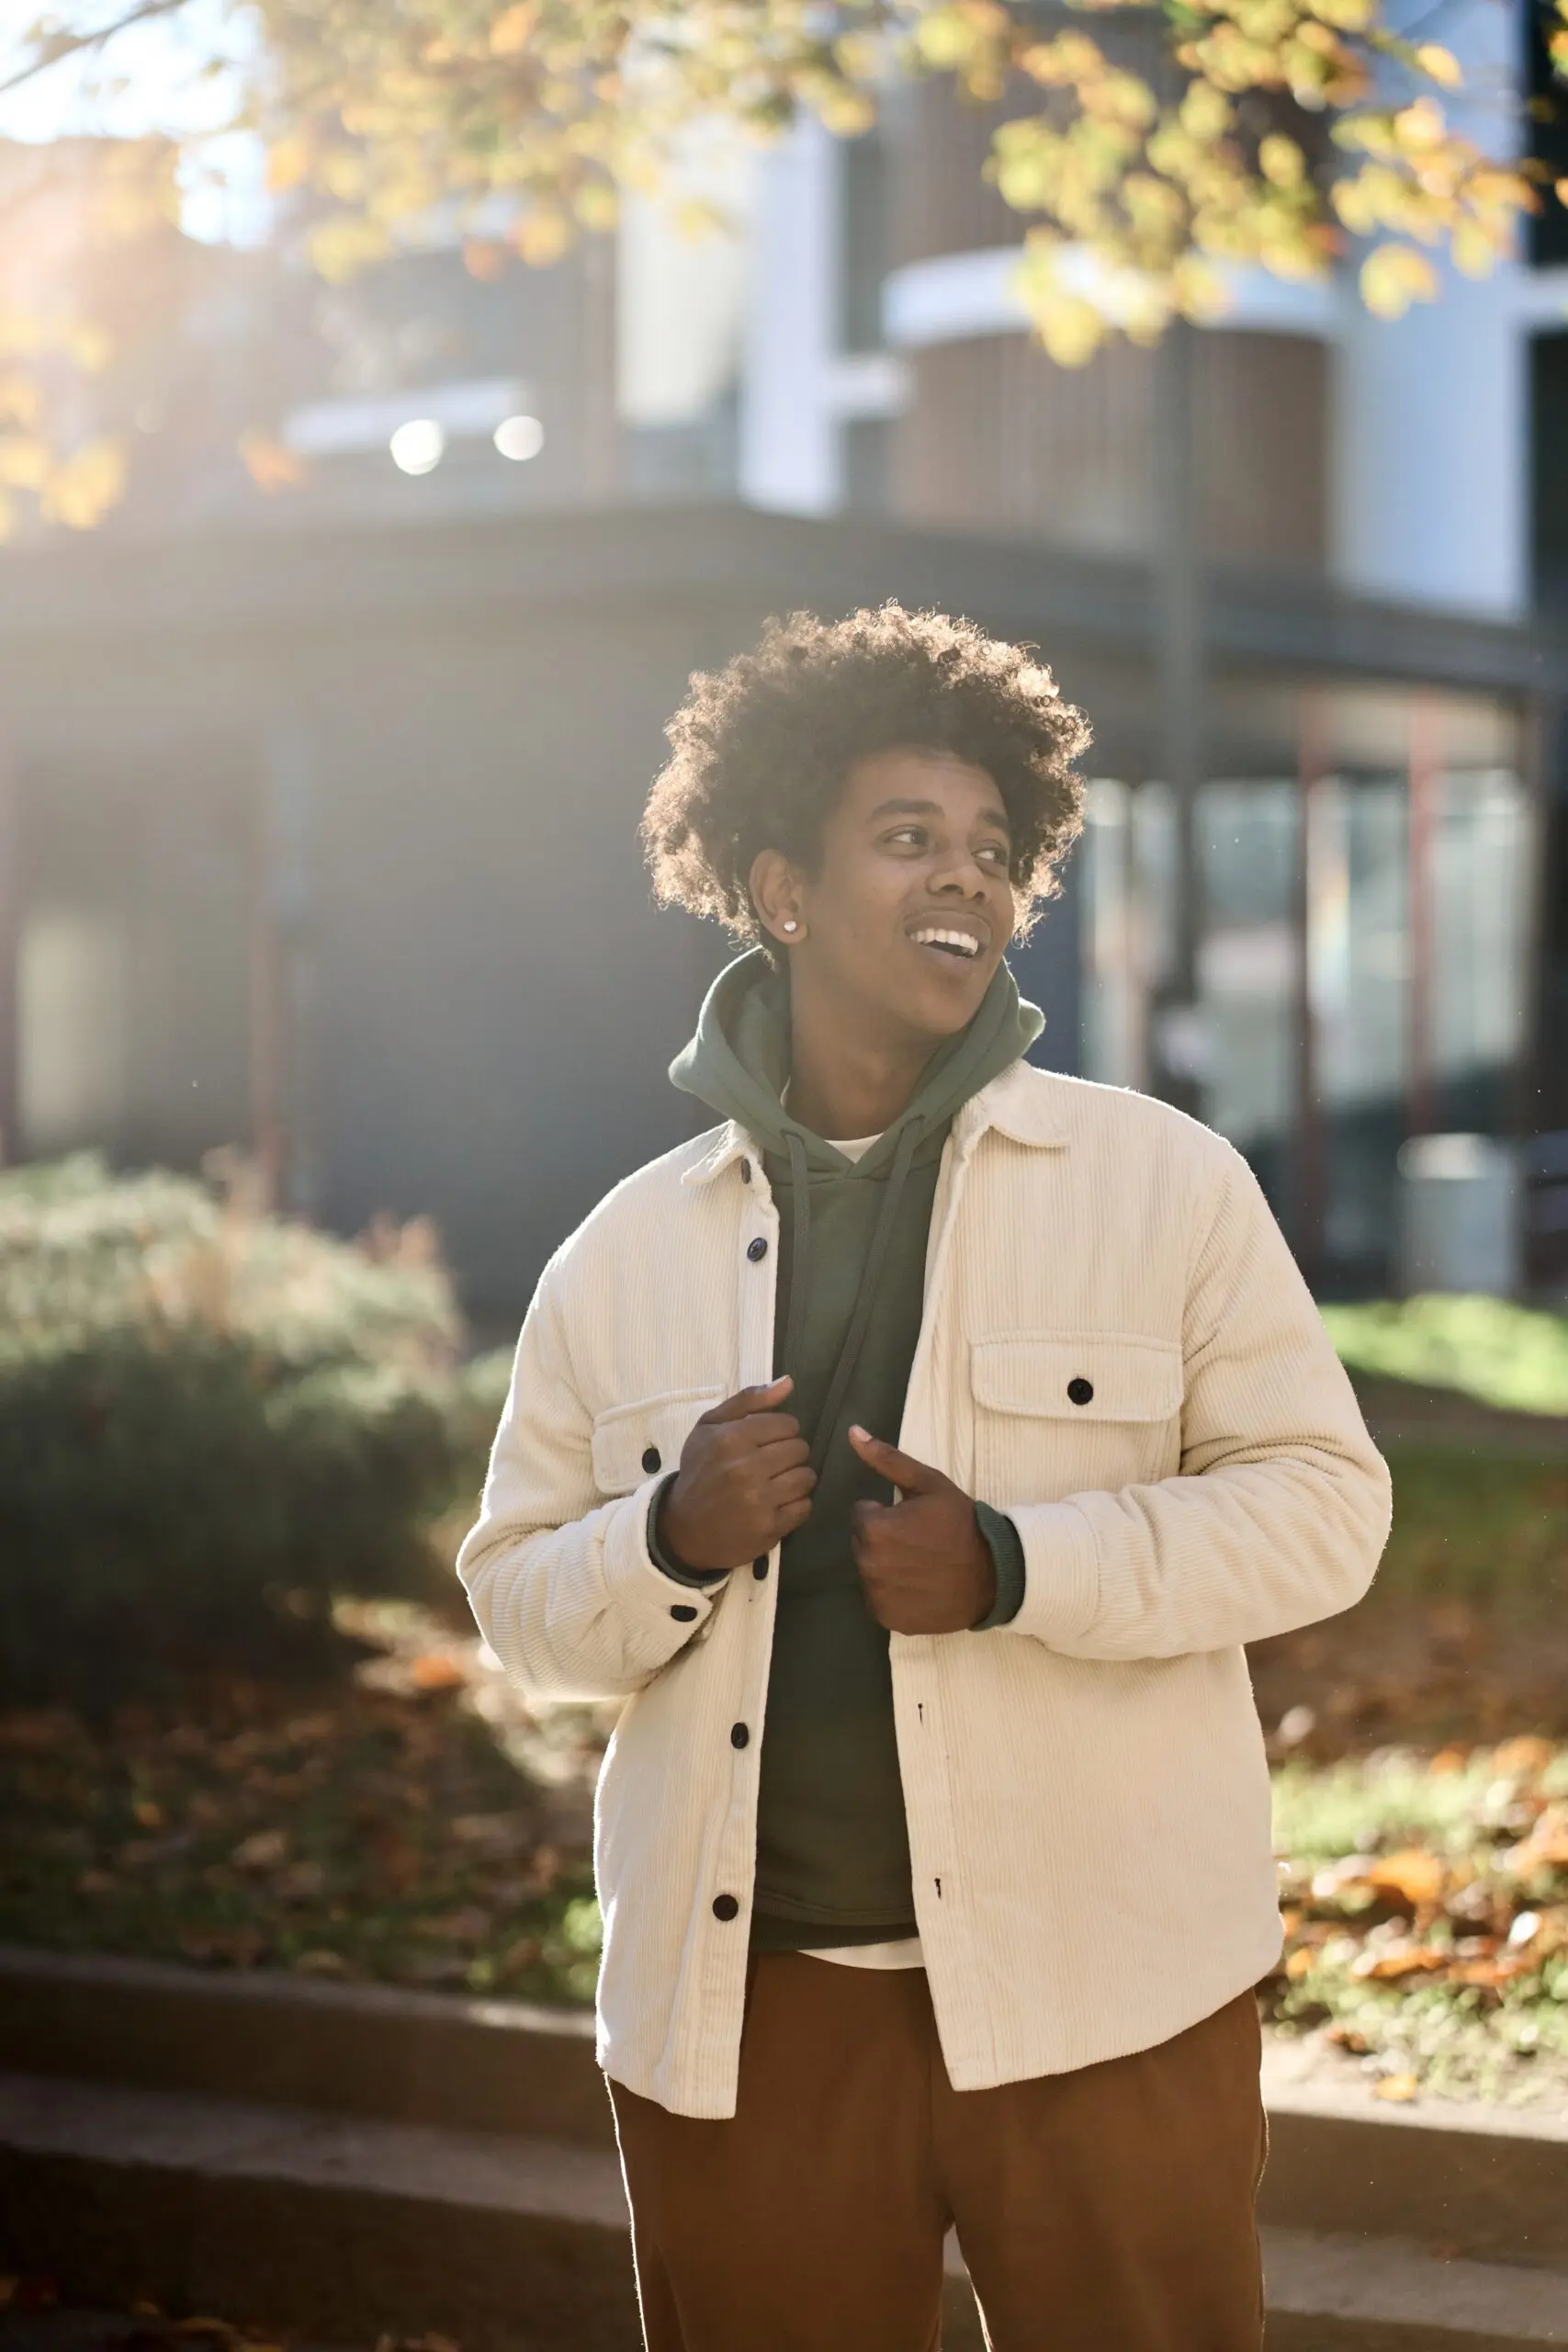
(832, 1847)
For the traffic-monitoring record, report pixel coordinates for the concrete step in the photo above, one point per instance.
(352, 2048)
(343, 2227)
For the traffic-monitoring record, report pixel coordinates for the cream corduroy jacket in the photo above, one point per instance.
(1086, 1788)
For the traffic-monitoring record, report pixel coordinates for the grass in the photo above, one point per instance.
(1425, 1909)
(1514, 1358)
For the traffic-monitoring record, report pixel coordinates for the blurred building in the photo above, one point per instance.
(323, 757)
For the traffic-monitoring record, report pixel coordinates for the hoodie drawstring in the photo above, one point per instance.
(800, 1209)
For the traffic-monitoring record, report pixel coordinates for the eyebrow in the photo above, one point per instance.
(997, 816)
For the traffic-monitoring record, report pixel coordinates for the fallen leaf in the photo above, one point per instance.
(435, 1671)
(35, 1731)
(322, 1964)
(1490, 1973)
(1413, 1875)
(1396, 1960)
(468, 1926)
(1400, 2088)
(1546, 1846)
(262, 1852)
(1522, 1759)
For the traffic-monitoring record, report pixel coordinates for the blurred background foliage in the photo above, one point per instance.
(211, 1422)
(1154, 152)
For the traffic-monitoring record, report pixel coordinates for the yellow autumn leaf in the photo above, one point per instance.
(596, 205)
(1475, 251)
(1282, 161)
(20, 399)
(542, 236)
(287, 162)
(347, 242)
(1441, 64)
(24, 461)
(513, 28)
(1398, 2088)
(81, 491)
(271, 466)
(1393, 277)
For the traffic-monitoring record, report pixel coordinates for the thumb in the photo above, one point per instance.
(901, 1470)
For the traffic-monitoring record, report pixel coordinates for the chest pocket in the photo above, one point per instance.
(632, 1443)
(1060, 1412)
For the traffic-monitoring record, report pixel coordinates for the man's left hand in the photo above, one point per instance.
(924, 1564)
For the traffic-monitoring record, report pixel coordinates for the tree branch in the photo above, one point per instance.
(55, 49)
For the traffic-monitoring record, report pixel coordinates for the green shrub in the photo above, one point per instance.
(210, 1421)
(1512, 1358)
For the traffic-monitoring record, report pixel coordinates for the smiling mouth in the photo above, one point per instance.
(961, 944)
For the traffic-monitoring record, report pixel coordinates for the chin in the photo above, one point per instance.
(940, 1011)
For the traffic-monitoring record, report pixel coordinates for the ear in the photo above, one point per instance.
(776, 892)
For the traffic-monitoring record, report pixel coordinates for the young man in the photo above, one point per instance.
(914, 1451)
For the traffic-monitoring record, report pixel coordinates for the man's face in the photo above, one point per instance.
(909, 909)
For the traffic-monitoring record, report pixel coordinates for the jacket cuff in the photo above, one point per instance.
(665, 1560)
(656, 1605)
(1061, 1573)
(1005, 1546)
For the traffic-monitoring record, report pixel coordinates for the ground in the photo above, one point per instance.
(414, 1822)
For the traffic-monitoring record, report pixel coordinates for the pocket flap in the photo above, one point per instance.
(632, 1443)
(1078, 1375)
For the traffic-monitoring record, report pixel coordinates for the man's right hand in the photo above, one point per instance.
(743, 1484)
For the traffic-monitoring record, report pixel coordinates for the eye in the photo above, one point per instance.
(912, 836)
(995, 853)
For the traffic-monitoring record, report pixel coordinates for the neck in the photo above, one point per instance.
(843, 1085)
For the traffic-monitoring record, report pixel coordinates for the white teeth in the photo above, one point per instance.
(964, 941)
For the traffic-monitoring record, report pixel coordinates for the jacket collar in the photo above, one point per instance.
(1023, 1103)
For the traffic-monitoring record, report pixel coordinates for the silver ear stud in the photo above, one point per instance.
(791, 926)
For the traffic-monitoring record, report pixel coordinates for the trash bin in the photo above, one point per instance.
(1458, 1215)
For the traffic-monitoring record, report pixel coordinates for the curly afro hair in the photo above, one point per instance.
(760, 750)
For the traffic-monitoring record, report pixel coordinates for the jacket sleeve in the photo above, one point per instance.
(1281, 1507)
(561, 1581)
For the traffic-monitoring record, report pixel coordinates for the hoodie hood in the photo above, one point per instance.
(739, 1062)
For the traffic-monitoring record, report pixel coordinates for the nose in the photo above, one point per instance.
(961, 877)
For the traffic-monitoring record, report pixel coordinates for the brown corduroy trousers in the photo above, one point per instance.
(1110, 2210)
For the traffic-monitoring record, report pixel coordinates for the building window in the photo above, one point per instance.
(1549, 469)
(1414, 884)
(862, 241)
(1547, 230)
(71, 999)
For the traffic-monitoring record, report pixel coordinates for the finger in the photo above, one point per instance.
(792, 1486)
(783, 1453)
(765, 1430)
(901, 1470)
(746, 1401)
(793, 1515)
(865, 1520)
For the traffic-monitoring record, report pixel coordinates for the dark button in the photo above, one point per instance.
(745, 1171)
(1080, 1391)
(760, 1567)
(724, 1906)
(652, 1459)
(755, 1249)
(684, 1612)
(738, 1735)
